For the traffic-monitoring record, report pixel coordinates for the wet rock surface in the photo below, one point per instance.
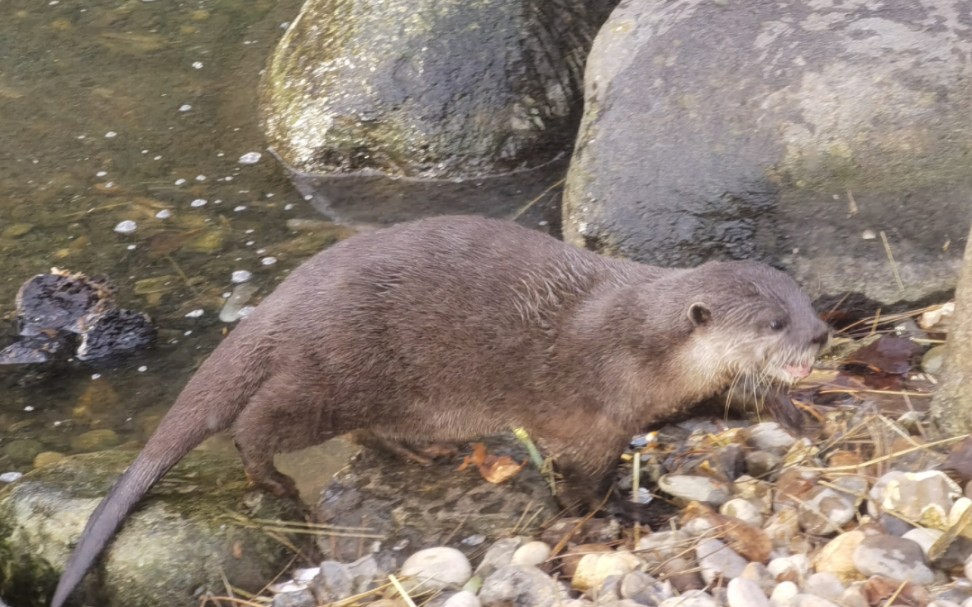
(763, 140)
(418, 89)
(192, 534)
(407, 506)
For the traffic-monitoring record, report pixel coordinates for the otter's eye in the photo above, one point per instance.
(777, 325)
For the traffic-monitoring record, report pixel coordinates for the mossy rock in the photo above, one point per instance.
(184, 537)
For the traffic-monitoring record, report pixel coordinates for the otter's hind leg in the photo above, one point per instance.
(279, 418)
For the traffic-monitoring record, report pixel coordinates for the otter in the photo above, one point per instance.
(450, 328)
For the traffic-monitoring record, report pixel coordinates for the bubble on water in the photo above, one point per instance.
(163, 214)
(131, 247)
(180, 181)
(185, 107)
(199, 202)
(240, 276)
(195, 313)
(111, 135)
(250, 243)
(268, 261)
(29, 408)
(289, 206)
(250, 158)
(101, 173)
(142, 369)
(96, 376)
(238, 208)
(200, 178)
(126, 227)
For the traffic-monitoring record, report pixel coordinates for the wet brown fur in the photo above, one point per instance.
(456, 327)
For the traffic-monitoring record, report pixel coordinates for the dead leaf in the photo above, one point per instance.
(495, 469)
(887, 354)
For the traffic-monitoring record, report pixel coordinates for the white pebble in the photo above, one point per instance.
(200, 178)
(111, 135)
(9, 477)
(195, 313)
(142, 369)
(101, 173)
(240, 276)
(268, 261)
(745, 593)
(197, 65)
(199, 202)
(250, 158)
(29, 408)
(126, 227)
(437, 568)
(531, 553)
(179, 181)
(163, 214)
(238, 208)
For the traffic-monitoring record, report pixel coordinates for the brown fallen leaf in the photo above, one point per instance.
(495, 469)
(887, 354)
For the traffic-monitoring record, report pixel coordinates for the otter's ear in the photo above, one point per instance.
(699, 313)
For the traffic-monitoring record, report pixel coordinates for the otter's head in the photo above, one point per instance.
(751, 323)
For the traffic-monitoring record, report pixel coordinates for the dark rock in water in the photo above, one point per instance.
(55, 310)
(194, 528)
(406, 506)
(59, 300)
(115, 332)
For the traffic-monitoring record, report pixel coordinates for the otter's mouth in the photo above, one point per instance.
(797, 372)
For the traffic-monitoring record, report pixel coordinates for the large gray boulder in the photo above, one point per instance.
(190, 536)
(428, 88)
(791, 131)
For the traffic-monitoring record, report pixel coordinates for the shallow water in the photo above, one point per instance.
(117, 111)
(114, 111)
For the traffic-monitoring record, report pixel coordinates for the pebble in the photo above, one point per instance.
(769, 436)
(692, 598)
(892, 557)
(239, 276)
(923, 497)
(923, 537)
(333, 583)
(531, 553)
(783, 594)
(126, 227)
(250, 158)
(438, 568)
(811, 600)
(232, 310)
(499, 555)
(794, 567)
(644, 589)
(463, 598)
(744, 510)
(163, 214)
(95, 440)
(825, 511)
(198, 202)
(9, 477)
(825, 585)
(521, 585)
(745, 593)
(692, 488)
(17, 230)
(718, 561)
(594, 568)
(837, 556)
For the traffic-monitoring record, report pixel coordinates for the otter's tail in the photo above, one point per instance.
(210, 402)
